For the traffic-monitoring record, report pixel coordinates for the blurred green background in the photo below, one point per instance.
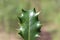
(49, 16)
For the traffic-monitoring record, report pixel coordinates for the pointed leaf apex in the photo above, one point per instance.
(34, 10)
(37, 13)
(23, 10)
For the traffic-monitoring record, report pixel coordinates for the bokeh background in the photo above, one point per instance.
(49, 17)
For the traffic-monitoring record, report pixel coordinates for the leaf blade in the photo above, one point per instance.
(30, 25)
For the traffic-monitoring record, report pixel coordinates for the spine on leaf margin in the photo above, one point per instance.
(29, 24)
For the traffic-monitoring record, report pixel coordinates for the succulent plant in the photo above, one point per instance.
(29, 24)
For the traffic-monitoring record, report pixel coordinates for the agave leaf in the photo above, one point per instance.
(29, 25)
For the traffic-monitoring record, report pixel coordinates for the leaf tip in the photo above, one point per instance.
(37, 13)
(23, 10)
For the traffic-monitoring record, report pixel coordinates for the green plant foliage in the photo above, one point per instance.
(29, 24)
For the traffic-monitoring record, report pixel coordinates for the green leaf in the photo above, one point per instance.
(29, 24)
